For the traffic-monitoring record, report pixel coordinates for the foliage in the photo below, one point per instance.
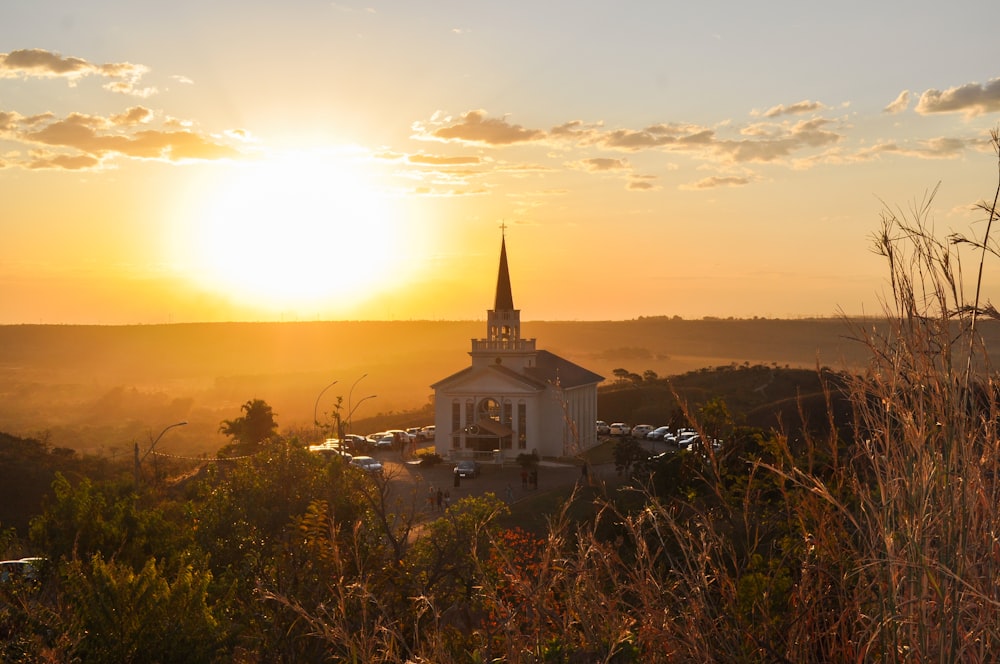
(90, 518)
(254, 427)
(429, 458)
(125, 616)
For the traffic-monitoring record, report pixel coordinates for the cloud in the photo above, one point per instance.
(475, 128)
(773, 142)
(601, 164)
(642, 183)
(133, 116)
(718, 181)
(658, 136)
(804, 106)
(39, 63)
(934, 148)
(63, 162)
(87, 141)
(433, 160)
(899, 104)
(971, 99)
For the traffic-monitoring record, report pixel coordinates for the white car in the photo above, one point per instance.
(658, 433)
(620, 429)
(640, 430)
(602, 428)
(367, 463)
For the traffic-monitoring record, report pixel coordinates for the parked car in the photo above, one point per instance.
(687, 439)
(467, 469)
(658, 433)
(356, 443)
(602, 428)
(619, 429)
(428, 432)
(367, 464)
(640, 430)
(331, 448)
(385, 442)
(23, 568)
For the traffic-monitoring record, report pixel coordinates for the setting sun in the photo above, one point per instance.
(299, 230)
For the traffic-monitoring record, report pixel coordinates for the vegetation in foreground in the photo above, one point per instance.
(870, 537)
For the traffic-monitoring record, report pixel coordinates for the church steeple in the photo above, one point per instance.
(503, 343)
(504, 300)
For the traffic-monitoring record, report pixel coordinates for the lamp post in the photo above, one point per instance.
(152, 445)
(350, 429)
(316, 407)
(349, 409)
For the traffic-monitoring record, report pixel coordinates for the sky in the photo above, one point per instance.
(308, 160)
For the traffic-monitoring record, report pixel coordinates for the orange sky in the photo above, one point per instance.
(326, 160)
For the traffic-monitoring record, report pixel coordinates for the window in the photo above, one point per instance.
(456, 423)
(489, 409)
(522, 426)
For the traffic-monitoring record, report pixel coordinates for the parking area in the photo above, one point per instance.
(505, 482)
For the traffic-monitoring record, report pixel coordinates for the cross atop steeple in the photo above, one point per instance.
(503, 228)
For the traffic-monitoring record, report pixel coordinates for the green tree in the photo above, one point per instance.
(254, 427)
(125, 616)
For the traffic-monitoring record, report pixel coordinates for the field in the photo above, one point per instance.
(101, 389)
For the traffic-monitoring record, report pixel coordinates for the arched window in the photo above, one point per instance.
(488, 408)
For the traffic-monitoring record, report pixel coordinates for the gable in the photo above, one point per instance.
(493, 378)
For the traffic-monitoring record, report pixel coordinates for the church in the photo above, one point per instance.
(514, 399)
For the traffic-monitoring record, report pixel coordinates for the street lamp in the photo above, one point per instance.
(350, 429)
(138, 461)
(350, 392)
(316, 407)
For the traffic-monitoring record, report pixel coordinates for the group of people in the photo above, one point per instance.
(438, 500)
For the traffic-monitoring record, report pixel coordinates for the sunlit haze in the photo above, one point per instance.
(192, 161)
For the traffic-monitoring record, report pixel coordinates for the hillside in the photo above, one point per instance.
(101, 389)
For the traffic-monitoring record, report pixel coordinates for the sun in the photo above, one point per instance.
(303, 230)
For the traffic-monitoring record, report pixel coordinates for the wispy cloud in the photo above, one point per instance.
(38, 63)
(797, 108)
(600, 164)
(436, 160)
(475, 128)
(718, 181)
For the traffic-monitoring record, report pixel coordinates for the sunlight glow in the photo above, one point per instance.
(302, 230)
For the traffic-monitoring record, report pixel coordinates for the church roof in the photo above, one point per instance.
(504, 300)
(550, 368)
(530, 381)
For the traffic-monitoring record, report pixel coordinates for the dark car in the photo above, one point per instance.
(467, 469)
(356, 443)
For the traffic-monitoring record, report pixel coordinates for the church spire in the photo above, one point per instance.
(504, 300)
(503, 343)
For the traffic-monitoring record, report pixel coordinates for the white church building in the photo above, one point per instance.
(514, 399)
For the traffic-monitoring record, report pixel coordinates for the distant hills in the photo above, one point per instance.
(105, 387)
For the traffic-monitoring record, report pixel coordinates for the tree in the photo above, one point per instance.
(254, 427)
